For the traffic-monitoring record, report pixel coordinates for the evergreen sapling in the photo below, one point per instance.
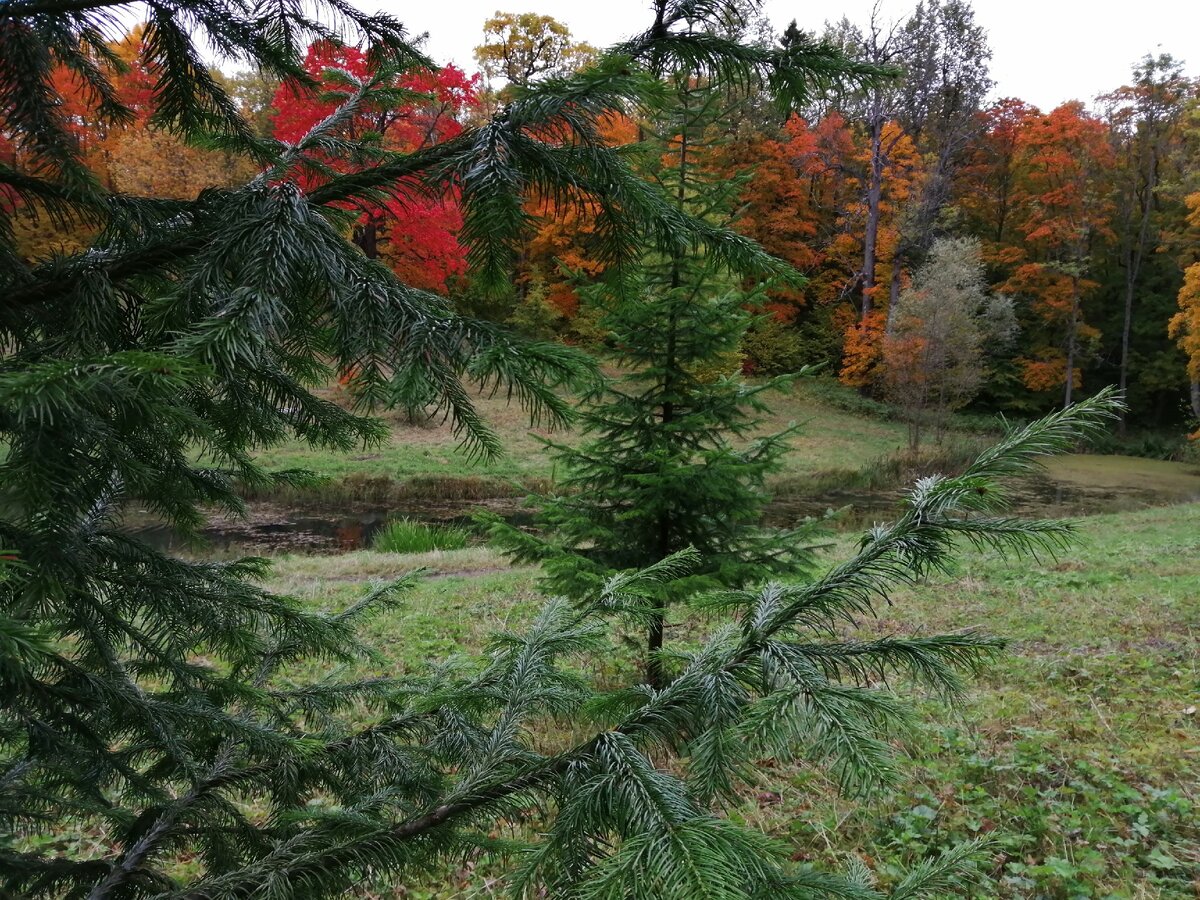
(670, 458)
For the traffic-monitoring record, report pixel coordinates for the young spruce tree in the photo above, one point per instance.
(149, 704)
(668, 461)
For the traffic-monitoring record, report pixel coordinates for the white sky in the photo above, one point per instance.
(1043, 51)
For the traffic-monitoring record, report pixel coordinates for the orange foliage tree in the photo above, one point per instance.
(1061, 200)
(794, 204)
(564, 231)
(986, 184)
(128, 156)
(780, 204)
(902, 170)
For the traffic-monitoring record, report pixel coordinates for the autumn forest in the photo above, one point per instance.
(1078, 225)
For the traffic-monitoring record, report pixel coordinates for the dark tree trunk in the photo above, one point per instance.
(654, 639)
(1072, 328)
(1132, 270)
(366, 236)
(893, 293)
(874, 199)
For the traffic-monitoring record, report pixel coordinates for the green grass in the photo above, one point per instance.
(407, 536)
(425, 457)
(1127, 473)
(1077, 753)
(841, 446)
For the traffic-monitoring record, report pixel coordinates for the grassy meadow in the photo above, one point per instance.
(844, 444)
(1077, 753)
(427, 454)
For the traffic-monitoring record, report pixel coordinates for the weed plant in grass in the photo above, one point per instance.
(407, 536)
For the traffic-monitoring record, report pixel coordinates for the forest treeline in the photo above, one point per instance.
(956, 249)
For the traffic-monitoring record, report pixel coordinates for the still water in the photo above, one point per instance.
(271, 529)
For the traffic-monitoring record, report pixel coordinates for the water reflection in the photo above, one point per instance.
(271, 529)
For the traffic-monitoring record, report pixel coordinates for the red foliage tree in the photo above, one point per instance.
(414, 234)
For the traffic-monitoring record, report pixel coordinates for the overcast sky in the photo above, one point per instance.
(1043, 51)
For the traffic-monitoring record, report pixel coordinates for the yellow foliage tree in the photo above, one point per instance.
(518, 47)
(1184, 326)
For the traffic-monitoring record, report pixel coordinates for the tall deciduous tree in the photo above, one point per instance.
(414, 232)
(132, 154)
(521, 47)
(945, 57)
(925, 114)
(879, 44)
(560, 250)
(1065, 163)
(779, 206)
(1184, 326)
(1142, 118)
(987, 181)
(902, 174)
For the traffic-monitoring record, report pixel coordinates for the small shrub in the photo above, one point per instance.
(830, 392)
(407, 536)
(1146, 444)
(726, 364)
(534, 315)
(772, 348)
(1191, 450)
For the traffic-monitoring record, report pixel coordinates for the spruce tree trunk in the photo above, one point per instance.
(655, 676)
(654, 639)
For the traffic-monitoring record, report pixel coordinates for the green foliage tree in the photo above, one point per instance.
(534, 315)
(1144, 120)
(946, 326)
(146, 701)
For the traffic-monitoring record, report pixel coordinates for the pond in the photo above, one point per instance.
(1070, 486)
(270, 528)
